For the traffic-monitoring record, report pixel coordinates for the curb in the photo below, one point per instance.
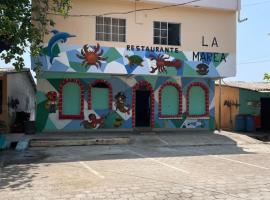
(78, 142)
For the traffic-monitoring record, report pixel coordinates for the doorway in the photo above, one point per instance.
(143, 108)
(265, 113)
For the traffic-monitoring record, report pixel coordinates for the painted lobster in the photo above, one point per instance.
(162, 63)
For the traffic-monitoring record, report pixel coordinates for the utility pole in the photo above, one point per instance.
(219, 107)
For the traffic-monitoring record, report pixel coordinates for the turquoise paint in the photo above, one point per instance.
(114, 119)
(170, 101)
(196, 101)
(71, 99)
(246, 96)
(100, 98)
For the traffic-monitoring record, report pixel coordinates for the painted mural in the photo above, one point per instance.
(58, 56)
(120, 112)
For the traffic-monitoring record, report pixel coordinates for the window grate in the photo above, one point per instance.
(110, 29)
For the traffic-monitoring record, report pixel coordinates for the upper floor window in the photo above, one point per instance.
(110, 29)
(166, 33)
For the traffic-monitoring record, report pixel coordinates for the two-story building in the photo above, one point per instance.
(129, 64)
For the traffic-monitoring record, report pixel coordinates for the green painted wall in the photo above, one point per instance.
(71, 99)
(196, 101)
(247, 96)
(170, 101)
(100, 98)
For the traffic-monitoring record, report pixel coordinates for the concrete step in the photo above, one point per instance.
(79, 142)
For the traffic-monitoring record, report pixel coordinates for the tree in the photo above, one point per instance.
(266, 77)
(24, 23)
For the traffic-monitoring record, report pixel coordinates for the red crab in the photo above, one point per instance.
(161, 63)
(91, 57)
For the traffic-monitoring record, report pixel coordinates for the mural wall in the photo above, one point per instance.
(58, 56)
(119, 111)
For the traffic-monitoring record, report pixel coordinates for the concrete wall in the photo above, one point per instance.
(227, 115)
(19, 86)
(195, 23)
(114, 118)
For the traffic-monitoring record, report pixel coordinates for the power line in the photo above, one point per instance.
(253, 62)
(255, 4)
(127, 12)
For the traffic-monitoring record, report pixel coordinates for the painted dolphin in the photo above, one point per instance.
(56, 38)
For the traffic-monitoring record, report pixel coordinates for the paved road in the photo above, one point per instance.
(145, 170)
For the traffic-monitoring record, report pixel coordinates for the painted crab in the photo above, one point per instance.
(135, 60)
(162, 63)
(93, 122)
(202, 69)
(91, 57)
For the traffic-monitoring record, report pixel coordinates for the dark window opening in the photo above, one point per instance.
(143, 108)
(100, 85)
(167, 33)
(173, 34)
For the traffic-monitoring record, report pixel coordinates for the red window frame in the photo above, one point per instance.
(60, 105)
(206, 90)
(90, 92)
(178, 88)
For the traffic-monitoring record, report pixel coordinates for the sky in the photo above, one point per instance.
(253, 42)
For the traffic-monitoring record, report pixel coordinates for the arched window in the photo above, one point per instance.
(100, 95)
(197, 100)
(170, 100)
(71, 99)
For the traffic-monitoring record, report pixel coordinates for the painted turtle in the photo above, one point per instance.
(135, 60)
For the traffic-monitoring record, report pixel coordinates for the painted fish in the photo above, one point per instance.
(55, 39)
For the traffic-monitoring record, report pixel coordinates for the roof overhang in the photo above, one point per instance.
(232, 5)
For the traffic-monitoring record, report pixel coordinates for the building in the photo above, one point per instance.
(17, 97)
(135, 64)
(243, 98)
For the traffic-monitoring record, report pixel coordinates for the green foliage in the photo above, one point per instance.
(24, 23)
(266, 77)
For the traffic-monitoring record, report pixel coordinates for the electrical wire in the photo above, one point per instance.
(253, 62)
(255, 4)
(128, 12)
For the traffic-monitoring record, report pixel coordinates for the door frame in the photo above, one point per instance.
(136, 87)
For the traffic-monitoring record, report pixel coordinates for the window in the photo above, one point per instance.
(100, 95)
(71, 99)
(197, 100)
(166, 33)
(110, 29)
(170, 100)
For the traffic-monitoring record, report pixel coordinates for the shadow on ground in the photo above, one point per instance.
(17, 172)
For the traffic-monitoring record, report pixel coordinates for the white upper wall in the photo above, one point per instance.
(215, 4)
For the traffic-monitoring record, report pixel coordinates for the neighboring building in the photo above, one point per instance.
(152, 68)
(246, 99)
(17, 96)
